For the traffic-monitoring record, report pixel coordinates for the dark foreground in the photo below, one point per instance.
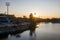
(44, 31)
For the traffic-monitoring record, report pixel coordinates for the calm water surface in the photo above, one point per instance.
(44, 31)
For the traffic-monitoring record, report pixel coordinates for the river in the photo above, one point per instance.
(44, 31)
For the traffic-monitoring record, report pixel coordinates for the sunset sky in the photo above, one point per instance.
(25, 7)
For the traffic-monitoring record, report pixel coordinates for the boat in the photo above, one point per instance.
(5, 22)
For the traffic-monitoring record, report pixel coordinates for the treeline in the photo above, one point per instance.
(30, 19)
(52, 20)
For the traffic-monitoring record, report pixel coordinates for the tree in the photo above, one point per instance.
(31, 16)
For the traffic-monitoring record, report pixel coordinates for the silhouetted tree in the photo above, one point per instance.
(31, 16)
(32, 22)
(24, 17)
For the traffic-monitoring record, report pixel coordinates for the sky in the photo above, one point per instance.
(25, 7)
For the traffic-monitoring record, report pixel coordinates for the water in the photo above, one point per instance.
(44, 31)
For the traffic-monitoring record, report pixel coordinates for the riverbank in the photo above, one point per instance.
(15, 29)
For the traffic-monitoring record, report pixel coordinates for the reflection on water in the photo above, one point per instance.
(45, 31)
(32, 31)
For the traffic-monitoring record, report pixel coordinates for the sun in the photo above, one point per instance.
(36, 15)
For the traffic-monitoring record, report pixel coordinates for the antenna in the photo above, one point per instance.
(7, 4)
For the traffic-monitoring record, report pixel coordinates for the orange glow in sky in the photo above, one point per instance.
(45, 8)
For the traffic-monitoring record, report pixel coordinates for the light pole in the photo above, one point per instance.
(7, 4)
